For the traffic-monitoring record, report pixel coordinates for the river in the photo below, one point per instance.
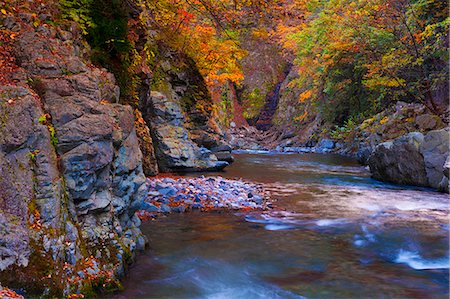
(333, 233)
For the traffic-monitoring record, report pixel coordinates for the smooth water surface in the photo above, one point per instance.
(333, 233)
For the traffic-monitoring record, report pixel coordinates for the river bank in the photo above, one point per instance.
(394, 152)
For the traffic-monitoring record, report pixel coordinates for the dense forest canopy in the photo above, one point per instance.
(354, 58)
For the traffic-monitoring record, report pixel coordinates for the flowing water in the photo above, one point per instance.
(333, 233)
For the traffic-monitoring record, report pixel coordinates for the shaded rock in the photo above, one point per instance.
(427, 122)
(224, 156)
(435, 152)
(326, 144)
(174, 149)
(149, 207)
(169, 191)
(400, 161)
(363, 154)
(165, 209)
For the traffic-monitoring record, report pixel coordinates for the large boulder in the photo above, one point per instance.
(174, 148)
(400, 161)
(413, 159)
(435, 150)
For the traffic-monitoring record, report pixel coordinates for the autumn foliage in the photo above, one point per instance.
(354, 57)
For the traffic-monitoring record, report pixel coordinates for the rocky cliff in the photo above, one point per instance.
(179, 110)
(71, 166)
(73, 157)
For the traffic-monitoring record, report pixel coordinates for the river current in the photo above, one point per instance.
(333, 232)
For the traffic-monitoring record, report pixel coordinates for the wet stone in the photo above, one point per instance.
(211, 193)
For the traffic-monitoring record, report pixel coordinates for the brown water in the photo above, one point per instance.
(334, 233)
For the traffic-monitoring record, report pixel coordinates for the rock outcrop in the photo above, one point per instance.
(435, 152)
(394, 122)
(413, 159)
(179, 80)
(400, 161)
(71, 169)
(175, 150)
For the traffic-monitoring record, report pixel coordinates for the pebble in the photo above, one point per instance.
(165, 209)
(168, 195)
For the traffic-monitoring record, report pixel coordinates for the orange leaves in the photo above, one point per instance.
(7, 293)
(305, 96)
(75, 296)
(36, 224)
(302, 117)
(185, 16)
(203, 30)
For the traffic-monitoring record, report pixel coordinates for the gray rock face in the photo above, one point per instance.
(71, 166)
(413, 159)
(29, 180)
(435, 151)
(174, 148)
(400, 161)
(326, 144)
(444, 184)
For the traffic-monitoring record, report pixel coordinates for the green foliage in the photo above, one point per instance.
(253, 101)
(44, 119)
(359, 56)
(80, 12)
(33, 155)
(225, 107)
(105, 26)
(343, 132)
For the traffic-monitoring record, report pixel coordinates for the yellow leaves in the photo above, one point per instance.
(260, 33)
(377, 80)
(3, 11)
